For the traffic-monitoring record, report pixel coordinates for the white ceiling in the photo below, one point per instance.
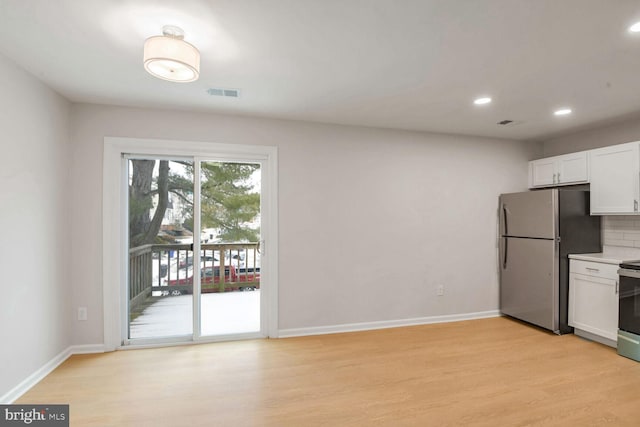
(405, 64)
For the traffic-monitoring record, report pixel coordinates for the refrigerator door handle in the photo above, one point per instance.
(504, 256)
(504, 216)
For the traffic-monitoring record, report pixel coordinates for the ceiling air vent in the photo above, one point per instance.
(229, 93)
(505, 122)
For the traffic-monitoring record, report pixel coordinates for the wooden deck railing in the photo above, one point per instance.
(168, 268)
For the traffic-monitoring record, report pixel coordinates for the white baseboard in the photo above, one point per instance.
(13, 394)
(33, 379)
(87, 349)
(366, 326)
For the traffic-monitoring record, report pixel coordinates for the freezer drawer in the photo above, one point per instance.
(529, 288)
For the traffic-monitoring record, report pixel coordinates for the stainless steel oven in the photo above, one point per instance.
(629, 310)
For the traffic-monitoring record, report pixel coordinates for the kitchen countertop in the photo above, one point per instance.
(598, 257)
(610, 255)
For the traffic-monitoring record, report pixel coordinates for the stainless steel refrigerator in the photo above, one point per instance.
(538, 230)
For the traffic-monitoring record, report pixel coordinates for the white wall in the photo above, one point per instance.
(370, 220)
(618, 133)
(35, 314)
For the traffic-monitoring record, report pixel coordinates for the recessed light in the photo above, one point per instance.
(482, 101)
(562, 112)
(635, 28)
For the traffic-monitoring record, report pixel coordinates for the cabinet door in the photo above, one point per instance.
(573, 168)
(593, 305)
(543, 172)
(615, 179)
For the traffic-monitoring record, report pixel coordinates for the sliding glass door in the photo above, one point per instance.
(193, 249)
(230, 230)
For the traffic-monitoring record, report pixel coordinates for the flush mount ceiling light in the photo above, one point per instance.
(482, 101)
(635, 28)
(562, 112)
(169, 57)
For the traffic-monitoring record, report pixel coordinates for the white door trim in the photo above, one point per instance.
(114, 223)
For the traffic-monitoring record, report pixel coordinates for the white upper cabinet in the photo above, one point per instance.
(615, 179)
(573, 168)
(542, 173)
(559, 170)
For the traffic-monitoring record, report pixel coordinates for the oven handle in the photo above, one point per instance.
(625, 272)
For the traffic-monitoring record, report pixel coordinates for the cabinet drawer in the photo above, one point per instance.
(596, 269)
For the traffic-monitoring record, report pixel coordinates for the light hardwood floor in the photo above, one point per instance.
(491, 372)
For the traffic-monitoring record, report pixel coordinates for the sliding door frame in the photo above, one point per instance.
(115, 244)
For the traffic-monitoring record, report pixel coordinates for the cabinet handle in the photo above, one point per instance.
(558, 177)
(635, 205)
(617, 286)
(592, 269)
(554, 178)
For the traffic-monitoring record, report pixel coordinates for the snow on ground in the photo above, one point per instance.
(222, 313)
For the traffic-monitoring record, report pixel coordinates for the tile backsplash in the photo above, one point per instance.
(621, 231)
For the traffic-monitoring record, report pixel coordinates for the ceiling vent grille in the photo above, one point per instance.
(229, 93)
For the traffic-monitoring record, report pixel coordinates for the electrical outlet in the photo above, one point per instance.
(82, 313)
(440, 290)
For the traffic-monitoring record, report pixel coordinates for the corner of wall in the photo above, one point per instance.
(35, 172)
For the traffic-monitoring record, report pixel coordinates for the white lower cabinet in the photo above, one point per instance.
(593, 298)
